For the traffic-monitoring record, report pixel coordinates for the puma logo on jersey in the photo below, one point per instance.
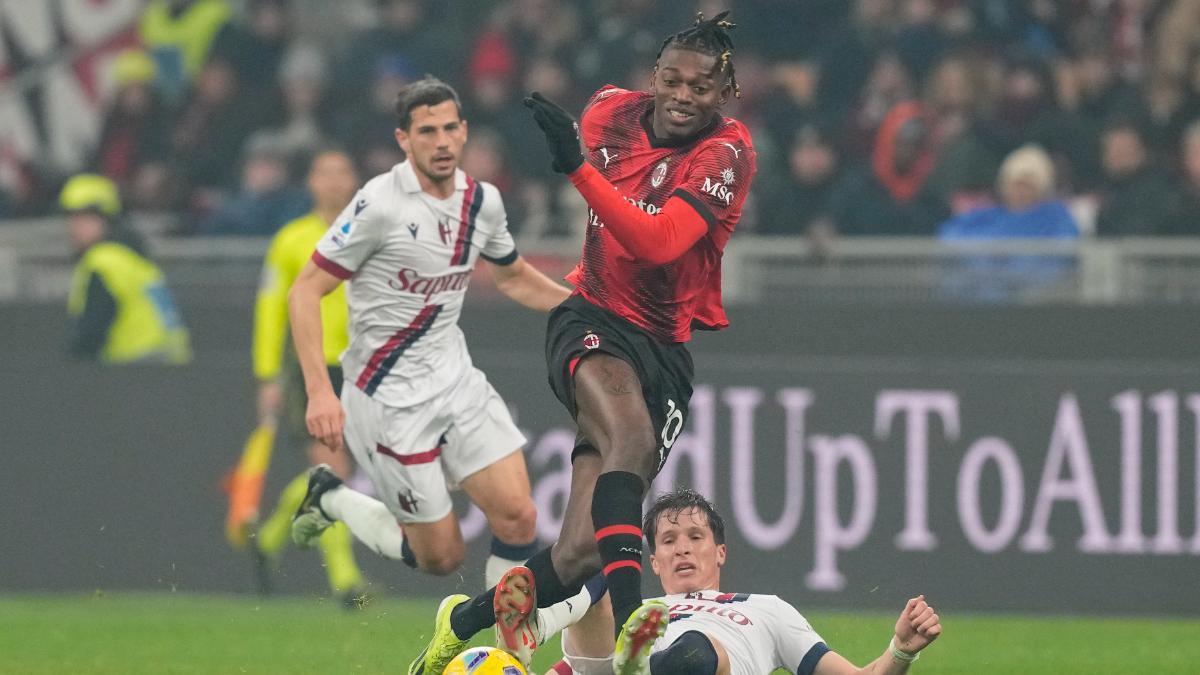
(607, 157)
(736, 153)
(412, 229)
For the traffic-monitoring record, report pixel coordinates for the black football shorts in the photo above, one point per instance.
(577, 328)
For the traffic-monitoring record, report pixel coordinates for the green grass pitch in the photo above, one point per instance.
(132, 634)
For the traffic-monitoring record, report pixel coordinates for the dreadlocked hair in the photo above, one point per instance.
(709, 36)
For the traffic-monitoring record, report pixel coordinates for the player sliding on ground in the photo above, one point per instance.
(711, 632)
(665, 176)
(415, 412)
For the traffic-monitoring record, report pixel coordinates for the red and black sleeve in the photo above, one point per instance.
(657, 239)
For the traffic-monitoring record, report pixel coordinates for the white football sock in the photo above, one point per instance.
(496, 567)
(369, 519)
(556, 618)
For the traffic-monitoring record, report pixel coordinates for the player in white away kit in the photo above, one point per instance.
(415, 412)
(711, 632)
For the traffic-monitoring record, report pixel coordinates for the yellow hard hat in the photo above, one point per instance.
(133, 66)
(90, 191)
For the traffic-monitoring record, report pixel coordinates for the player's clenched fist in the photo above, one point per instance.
(917, 627)
(325, 419)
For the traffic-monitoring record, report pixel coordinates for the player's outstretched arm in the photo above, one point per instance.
(526, 284)
(324, 416)
(916, 628)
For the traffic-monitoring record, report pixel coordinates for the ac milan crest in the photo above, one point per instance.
(659, 175)
(591, 341)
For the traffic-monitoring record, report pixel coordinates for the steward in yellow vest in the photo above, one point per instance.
(122, 310)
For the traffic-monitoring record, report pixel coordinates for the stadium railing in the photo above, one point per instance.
(36, 261)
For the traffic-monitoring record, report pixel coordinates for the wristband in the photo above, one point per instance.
(901, 655)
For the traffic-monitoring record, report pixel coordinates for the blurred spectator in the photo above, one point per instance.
(1188, 211)
(121, 309)
(892, 197)
(368, 129)
(1178, 37)
(137, 124)
(623, 35)
(1136, 199)
(485, 159)
(213, 125)
(302, 77)
(539, 27)
(1032, 26)
(553, 81)
(1093, 95)
(794, 103)
(179, 34)
(495, 90)
(408, 31)
(888, 85)
(1027, 208)
(267, 199)
(256, 45)
(813, 168)
(1025, 110)
(1166, 111)
(920, 43)
(966, 164)
(847, 51)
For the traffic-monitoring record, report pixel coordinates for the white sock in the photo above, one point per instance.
(556, 618)
(504, 557)
(369, 519)
(496, 567)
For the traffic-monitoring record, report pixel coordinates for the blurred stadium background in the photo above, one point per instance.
(952, 369)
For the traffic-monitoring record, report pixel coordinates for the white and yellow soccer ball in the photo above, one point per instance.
(484, 661)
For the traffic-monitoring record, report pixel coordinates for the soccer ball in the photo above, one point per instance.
(484, 661)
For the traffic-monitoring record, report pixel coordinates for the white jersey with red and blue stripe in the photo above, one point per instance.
(759, 632)
(408, 256)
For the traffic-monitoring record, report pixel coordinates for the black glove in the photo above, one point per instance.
(561, 130)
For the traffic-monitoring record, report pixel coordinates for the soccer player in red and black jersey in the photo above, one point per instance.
(665, 176)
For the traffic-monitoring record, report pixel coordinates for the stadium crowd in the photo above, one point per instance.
(872, 117)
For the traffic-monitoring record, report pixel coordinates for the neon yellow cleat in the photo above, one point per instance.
(444, 646)
(641, 629)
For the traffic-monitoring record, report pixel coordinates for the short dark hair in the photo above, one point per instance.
(711, 37)
(426, 91)
(674, 503)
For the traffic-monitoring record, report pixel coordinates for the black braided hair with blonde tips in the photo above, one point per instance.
(709, 36)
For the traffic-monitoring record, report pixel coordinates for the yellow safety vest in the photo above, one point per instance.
(192, 33)
(290, 250)
(147, 326)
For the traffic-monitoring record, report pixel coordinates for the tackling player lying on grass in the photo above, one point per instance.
(711, 632)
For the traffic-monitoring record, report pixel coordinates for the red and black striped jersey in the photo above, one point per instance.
(711, 172)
